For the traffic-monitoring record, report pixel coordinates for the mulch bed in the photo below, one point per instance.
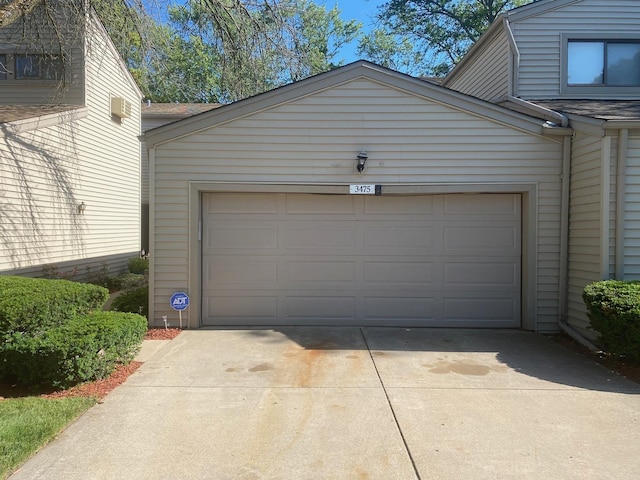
(612, 362)
(98, 388)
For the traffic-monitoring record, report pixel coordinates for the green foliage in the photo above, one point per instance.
(84, 348)
(133, 301)
(138, 265)
(129, 281)
(445, 28)
(394, 52)
(613, 308)
(32, 305)
(29, 423)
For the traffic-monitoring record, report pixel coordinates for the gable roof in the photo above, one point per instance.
(324, 81)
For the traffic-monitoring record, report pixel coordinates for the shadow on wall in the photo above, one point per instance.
(440, 358)
(38, 204)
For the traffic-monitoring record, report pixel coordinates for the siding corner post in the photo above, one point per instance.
(621, 195)
(152, 222)
(564, 229)
(605, 205)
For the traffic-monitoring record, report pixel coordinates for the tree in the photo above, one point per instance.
(444, 28)
(392, 51)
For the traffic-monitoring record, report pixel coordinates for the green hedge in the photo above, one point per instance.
(613, 308)
(138, 265)
(32, 305)
(134, 301)
(85, 348)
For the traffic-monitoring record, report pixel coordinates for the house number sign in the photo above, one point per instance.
(362, 189)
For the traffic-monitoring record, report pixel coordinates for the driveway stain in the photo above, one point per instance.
(263, 367)
(463, 368)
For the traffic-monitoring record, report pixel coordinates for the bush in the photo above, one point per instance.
(129, 281)
(32, 305)
(133, 301)
(85, 348)
(613, 308)
(138, 265)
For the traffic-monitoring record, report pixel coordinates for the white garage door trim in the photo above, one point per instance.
(528, 192)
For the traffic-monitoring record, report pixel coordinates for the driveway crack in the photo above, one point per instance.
(393, 412)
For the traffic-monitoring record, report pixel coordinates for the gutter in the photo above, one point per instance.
(546, 113)
(621, 193)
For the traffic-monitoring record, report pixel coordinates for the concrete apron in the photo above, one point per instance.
(350, 403)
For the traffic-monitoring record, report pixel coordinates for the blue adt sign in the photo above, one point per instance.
(179, 301)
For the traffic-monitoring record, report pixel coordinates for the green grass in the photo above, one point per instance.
(27, 424)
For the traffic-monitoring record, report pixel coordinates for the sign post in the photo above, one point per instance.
(179, 302)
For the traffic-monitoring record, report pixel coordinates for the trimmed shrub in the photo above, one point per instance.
(613, 308)
(32, 305)
(138, 265)
(129, 281)
(85, 348)
(133, 301)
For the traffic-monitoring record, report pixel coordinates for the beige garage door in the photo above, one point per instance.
(303, 259)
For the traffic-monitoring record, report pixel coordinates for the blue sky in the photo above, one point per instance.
(360, 10)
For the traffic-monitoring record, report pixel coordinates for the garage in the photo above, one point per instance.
(399, 260)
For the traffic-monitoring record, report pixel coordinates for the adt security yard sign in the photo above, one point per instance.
(179, 301)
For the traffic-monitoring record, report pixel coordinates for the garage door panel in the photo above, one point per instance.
(405, 205)
(482, 240)
(327, 307)
(361, 260)
(398, 272)
(320, 204)
(312, 236)
(235, 203)
(487, 274)
(479, 309)
(320, 272)
(485, 204)
(400, 308)
(247, 307)
(242, 237)
(241, 270)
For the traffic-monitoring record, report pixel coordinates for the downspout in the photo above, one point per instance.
(621, 194)
(563, 298)
(514, 59)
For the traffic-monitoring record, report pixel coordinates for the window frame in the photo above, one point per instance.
(11, 61)
(581, 90)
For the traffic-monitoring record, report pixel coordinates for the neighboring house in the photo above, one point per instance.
(155, 115)
(69, 155)
(576, 62)
(493, 211)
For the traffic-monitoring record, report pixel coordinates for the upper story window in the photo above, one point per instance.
(29, 66)
(37, 67)
(603, 63)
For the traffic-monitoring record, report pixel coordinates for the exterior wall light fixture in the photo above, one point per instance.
(362, 159)
(81, 208)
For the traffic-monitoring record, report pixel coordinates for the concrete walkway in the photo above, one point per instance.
(350, 403)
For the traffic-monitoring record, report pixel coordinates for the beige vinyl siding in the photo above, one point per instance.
(315, 140)
(47, 172)
(539, 40)
(632, 212)
(584, 224)
(487, 75)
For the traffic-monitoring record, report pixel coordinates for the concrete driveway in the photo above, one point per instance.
(351, 403)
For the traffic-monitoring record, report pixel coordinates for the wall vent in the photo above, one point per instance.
(120, 107)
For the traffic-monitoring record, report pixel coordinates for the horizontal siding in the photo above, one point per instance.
(632, 212)
(315, 140)
(47, 172)
(487, 74)
(584, 224)
(539, 39)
